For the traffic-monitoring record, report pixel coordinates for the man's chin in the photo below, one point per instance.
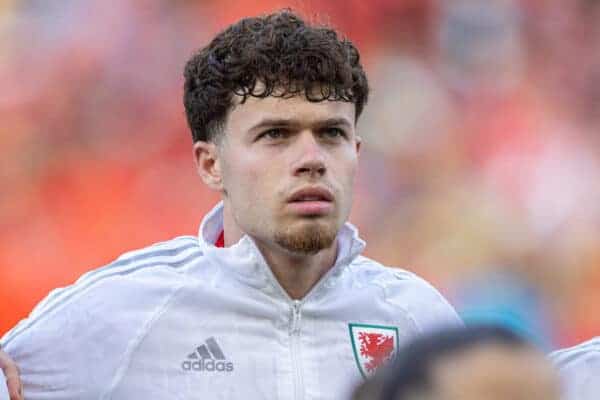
(308, 239)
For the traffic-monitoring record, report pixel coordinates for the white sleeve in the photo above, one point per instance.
(74, 345)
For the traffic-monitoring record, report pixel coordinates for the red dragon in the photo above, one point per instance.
(377, 347)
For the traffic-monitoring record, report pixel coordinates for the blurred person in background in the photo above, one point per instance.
(273, 298)
(499, 298)
(473, 363)
(579, 368)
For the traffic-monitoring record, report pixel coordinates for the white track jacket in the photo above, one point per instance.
(184, 319)
(579, 368)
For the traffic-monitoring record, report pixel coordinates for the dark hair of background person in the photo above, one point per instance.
(411, 371)
(275, 55)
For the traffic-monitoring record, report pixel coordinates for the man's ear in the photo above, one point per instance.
(208, 164)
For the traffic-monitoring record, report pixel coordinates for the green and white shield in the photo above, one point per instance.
(373, 346)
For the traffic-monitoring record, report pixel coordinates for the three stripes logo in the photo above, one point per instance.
(207, 357)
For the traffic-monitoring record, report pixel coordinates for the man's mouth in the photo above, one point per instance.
(311, 193)
(312, 200)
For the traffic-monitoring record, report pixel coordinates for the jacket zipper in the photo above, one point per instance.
(294, 329)
(295, 349)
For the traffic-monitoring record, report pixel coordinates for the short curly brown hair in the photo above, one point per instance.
(282, 53)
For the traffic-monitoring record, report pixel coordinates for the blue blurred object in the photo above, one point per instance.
(503, 298)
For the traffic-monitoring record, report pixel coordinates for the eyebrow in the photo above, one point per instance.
(278, 122)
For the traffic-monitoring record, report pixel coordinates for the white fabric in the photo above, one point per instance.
(3, 389)
(126, 331)
(579, 367)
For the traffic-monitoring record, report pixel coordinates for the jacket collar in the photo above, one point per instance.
(246, 260)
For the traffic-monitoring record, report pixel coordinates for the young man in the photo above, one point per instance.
(579, 367)
(272, 300)
(473, 363)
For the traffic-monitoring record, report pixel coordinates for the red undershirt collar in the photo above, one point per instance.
(221, 240)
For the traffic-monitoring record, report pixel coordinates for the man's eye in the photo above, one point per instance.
(334, 132)
(275, 133)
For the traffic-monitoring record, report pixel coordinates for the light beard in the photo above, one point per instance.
(306, 240)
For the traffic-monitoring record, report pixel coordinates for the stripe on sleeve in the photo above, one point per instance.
(123, 262)
(176, 253)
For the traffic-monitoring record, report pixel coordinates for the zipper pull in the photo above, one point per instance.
(296, 317)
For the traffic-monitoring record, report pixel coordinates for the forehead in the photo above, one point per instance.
(296, 108)
(522, 372)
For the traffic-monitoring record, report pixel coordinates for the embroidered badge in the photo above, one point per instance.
(373, 346)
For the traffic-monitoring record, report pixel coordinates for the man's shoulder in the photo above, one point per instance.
(406, 291)
(137, 281)
(372, 272)
(585, 353)
(159, 264)
(174, 253)
(579, 367)
(76, 339)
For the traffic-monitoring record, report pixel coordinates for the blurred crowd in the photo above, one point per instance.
(479, 169)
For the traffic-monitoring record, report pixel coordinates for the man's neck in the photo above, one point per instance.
(296, 273)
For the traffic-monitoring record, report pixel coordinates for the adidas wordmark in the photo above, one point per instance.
(207, 357)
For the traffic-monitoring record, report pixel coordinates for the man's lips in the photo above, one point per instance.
(313, 193)
(311, 201)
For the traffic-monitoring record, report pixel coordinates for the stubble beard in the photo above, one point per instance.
(308, 239)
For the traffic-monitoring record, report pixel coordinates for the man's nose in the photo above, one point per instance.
(311, 157)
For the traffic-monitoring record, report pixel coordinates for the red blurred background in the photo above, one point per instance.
(479, 171)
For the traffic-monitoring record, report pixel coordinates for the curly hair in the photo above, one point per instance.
(276, 55)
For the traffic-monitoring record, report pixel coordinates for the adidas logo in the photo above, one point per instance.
(207, 357)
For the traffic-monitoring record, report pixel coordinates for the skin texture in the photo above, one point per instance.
(269, 149)
(495, 372)
(11, 372)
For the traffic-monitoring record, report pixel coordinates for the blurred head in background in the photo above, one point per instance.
(484, 362)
